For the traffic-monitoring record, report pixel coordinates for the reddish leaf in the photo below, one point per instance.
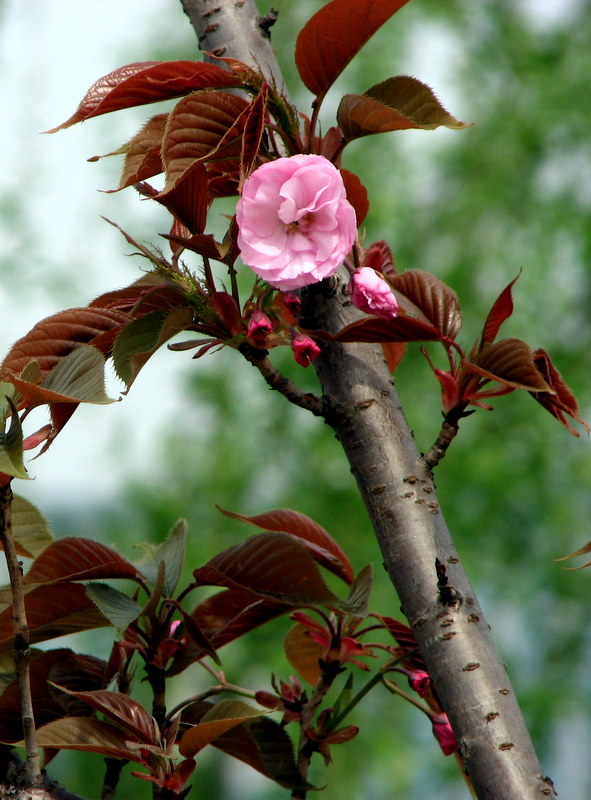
(396, 104)
(72, 559)
(91, 735)
(253, 132)
(379, 256)
(187, 199)
(196, 127)
(260, 742)
(264, 745)
(56, 336)
(226, 308)
(147, 294)
(356, 194)
(405, 639)
(371, 329)
(52, 611)
(200, 641)
(509, 361)
(329, 40)
(84, 671)
(147, 82)
(433, 298)
(125, 712)
(393, 353)
(501, 310)
(142, 153)
(318, 541)
(273, 565)
(202, 243)
(562, 401)
(227, 615)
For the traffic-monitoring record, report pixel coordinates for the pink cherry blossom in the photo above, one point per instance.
(295, 223)
(370, 293)
(304, 349)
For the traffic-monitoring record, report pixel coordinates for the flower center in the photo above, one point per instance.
(300, 226)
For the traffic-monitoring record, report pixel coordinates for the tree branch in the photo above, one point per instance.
(279, 383)
(398, 491)
(22, 653)
(397, 488)
(234, 28)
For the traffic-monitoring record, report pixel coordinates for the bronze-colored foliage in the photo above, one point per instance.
(258, 565)
(73, 558)
(330, 39)
(147, 82)
(56, 336)
(396, 104)
(322, 546)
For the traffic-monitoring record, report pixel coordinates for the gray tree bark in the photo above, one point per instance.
(397, 487)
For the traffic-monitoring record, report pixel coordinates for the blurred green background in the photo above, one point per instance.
(474, 207)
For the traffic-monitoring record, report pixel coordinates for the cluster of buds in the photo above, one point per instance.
(289, 698)
(420, 682)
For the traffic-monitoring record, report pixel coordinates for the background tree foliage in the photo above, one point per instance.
(473, 207)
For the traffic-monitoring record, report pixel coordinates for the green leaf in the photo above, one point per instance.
(117, 607)
(31, 531)
(79, 377)
(11, 446)
(141, 338)
(356, 602)
(171, 552)
(344, 697)
(224, 715)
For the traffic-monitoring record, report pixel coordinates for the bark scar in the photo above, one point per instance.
(448, 595)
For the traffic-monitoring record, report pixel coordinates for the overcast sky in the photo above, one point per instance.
(56, 251)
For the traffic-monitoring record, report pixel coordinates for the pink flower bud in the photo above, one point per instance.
(419, 681)
(444, 734)
(259, 327)
(370, 293)
(294, 220)
(292, 302)
(304, 349)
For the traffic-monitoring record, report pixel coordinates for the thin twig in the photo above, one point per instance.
(21, 638)
(279, 383)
